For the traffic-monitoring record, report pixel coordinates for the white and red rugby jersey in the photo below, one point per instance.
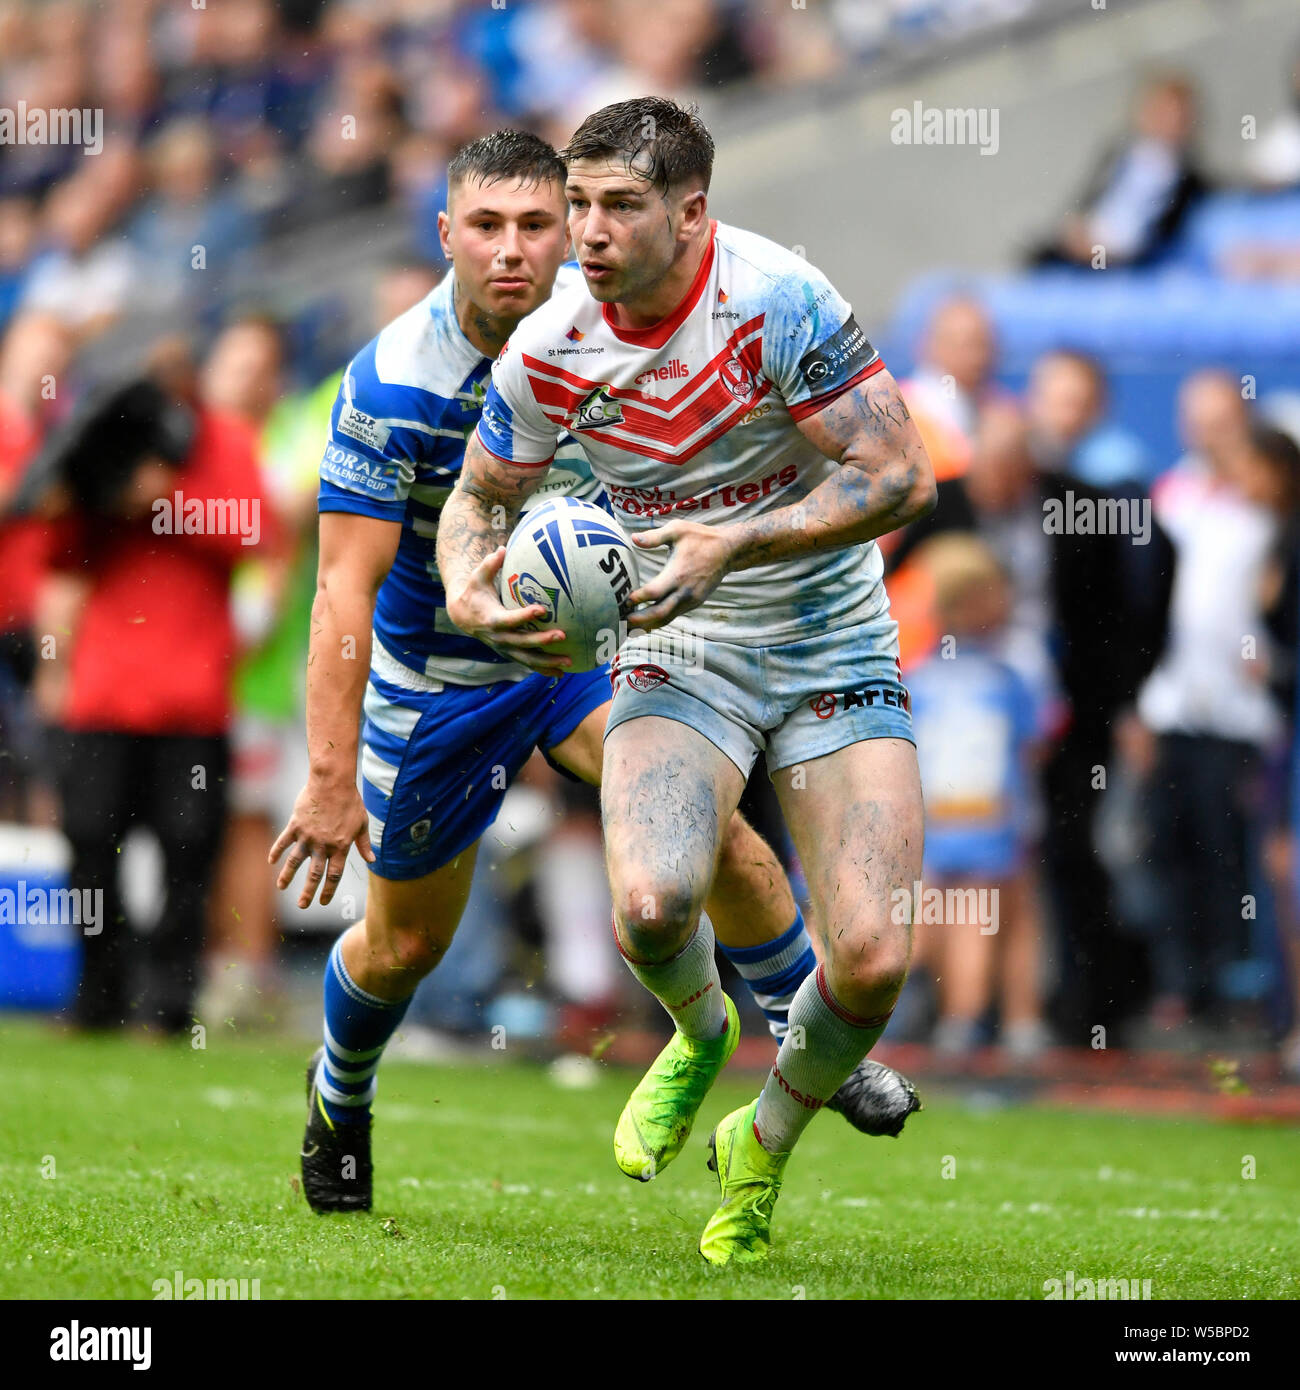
(695, 418)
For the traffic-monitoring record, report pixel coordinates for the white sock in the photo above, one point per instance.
(688, 985)
(824, 1044)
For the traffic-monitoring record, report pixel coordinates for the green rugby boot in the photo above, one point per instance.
(658, 1116)
(740, 1231)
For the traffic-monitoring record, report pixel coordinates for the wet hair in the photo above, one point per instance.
(656, 138)
(514, 155)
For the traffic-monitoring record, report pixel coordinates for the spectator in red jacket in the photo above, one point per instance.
(140, 693)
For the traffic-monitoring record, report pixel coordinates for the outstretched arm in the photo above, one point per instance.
(329, 817)
(472, 530)
(884, 481)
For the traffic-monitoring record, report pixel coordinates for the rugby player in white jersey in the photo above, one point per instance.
(447, 715)
(752, 441)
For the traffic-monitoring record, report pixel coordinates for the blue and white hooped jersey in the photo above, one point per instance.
(408, 402)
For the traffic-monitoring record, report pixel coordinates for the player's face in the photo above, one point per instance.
(622, 228)
(506, 242)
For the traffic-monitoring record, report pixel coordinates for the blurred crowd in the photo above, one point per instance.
(1100, 641)
(228, 126)
(1103, 679)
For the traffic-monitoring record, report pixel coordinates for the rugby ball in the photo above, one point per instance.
(574, 559)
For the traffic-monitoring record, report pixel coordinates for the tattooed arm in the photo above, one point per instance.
(885, 481)
(480, 513)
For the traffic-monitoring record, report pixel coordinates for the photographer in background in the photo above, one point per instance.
(153, 499)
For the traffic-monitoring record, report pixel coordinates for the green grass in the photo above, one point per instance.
(495, 1182)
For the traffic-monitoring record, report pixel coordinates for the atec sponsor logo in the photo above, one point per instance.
(868, 696)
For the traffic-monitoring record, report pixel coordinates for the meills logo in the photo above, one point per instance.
(674, 371)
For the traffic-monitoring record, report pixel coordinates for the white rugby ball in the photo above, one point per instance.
(575, 560)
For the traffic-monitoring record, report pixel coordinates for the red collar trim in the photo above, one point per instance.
(658, 333)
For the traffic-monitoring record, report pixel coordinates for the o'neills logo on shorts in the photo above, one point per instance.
(645, 677)
(892, 697)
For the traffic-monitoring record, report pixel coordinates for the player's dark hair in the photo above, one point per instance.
(652, 136)
(515, 155)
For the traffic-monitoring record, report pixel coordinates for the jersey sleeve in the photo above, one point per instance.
(813, 348)
(367, 466)
(513, 426)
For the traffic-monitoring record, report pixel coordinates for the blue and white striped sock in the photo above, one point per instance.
(774, 971)
(358, 1026)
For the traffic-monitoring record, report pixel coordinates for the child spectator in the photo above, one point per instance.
(978, 723)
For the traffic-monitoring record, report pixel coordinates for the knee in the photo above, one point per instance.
(655, 917)
(405, 952)
(866, 969)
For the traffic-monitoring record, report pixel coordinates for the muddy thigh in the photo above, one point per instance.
(856, 820)
(666, 794)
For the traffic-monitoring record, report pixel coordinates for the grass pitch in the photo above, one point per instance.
(135, 1160)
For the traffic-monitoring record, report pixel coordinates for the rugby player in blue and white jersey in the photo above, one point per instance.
(449, 720)
(755, 480)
